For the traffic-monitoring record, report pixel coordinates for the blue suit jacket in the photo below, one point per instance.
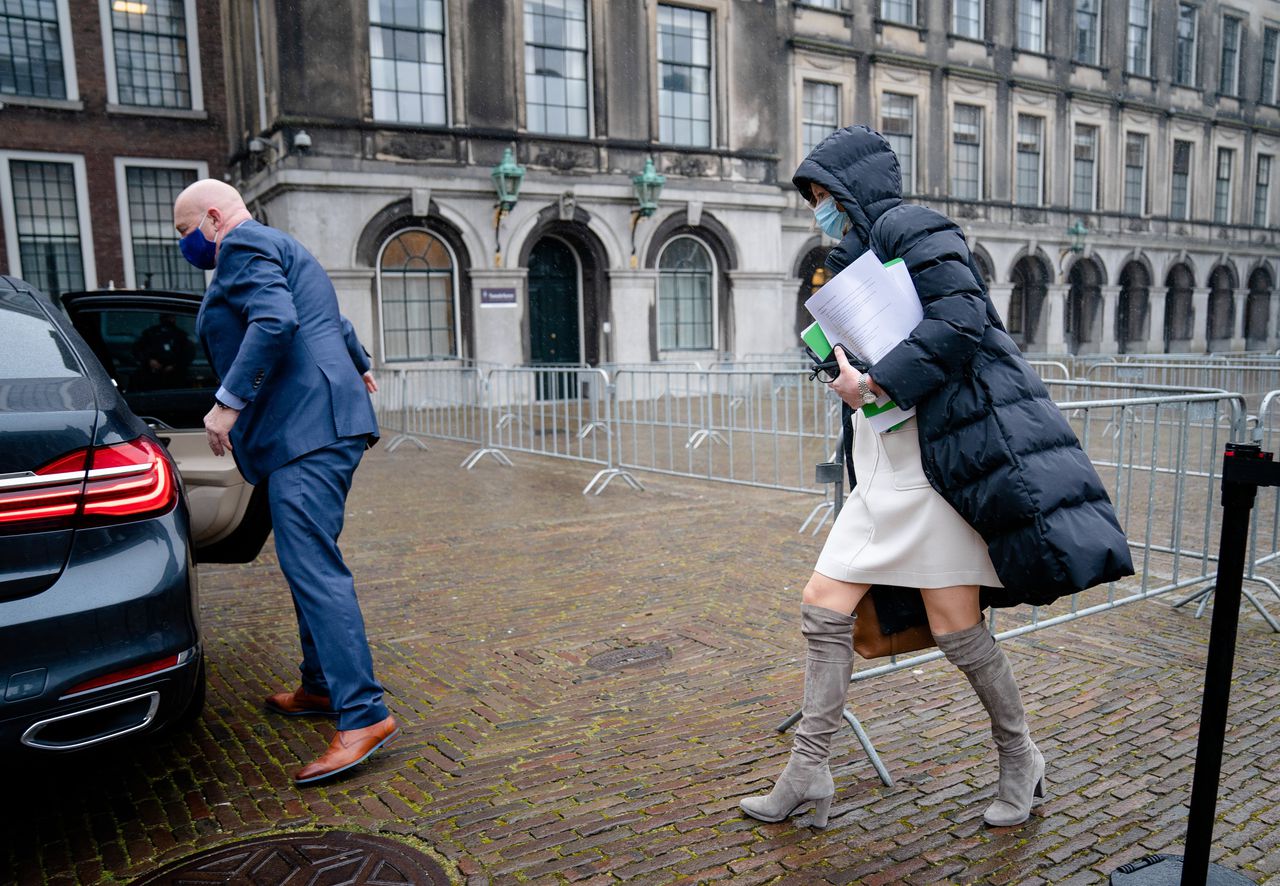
(271, 327)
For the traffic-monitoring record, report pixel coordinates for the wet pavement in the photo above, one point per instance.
(588, 685)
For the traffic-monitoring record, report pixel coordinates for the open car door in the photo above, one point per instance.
(147, 342)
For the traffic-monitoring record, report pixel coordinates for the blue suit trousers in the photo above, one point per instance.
(308, 498)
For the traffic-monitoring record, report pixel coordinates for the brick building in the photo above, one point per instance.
(107, 109)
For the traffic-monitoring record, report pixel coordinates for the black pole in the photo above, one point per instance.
(1237, 504)
(1245, 467)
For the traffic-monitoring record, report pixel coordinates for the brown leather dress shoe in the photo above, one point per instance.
(300, 703)
(348, 748)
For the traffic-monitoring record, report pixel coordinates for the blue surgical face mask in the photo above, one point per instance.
(197, 249)
(830, 219)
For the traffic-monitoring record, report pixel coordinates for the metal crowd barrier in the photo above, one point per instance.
(439, 401)
(557, 411)
(1253, 380)
(757, 428)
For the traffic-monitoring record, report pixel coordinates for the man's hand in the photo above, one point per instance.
(217, 427)
(370, 385)
(846, 383)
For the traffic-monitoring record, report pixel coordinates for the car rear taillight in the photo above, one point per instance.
(128, 674)
(124, 481)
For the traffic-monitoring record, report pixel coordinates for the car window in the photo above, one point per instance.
(33, 347)
(156, 361)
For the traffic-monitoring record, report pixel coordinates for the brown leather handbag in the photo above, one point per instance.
(869, 641)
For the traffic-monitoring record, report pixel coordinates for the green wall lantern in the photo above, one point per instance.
(1077, 233)
(648, 188)
(507, 177)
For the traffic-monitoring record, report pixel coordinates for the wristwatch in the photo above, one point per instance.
(864, 390)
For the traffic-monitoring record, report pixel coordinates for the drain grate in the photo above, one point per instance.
(617, 659)
(334, 858)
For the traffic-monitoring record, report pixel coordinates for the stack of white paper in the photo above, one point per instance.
(870, 308)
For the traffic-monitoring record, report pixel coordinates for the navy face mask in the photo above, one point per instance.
(197, 249)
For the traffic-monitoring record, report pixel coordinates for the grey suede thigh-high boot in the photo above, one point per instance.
(828, 666)
(975, 652)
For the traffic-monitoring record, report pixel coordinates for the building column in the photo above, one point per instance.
(763, 320)
(356, 301)
(1055, 309)
(1239, 299)
(1110, 299)
(1199, 321)
(1273, 317)
(1155, 320)
(499, 300)
(1001, 295)
(633, 303)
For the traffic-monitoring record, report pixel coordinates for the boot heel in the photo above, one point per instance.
(821, 809)
(1040, 791)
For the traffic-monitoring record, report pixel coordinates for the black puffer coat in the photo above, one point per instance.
(993, 443)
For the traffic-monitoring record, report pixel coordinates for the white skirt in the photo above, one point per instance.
(894, 527)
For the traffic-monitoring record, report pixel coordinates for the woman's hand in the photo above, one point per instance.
(846, 383)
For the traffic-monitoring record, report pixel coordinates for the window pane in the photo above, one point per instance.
(157, 261)
(1267, 91)
(821, 113)
(1222, 187)
(1137, 49)
(684, 76)
(151, 53)
(1180, 186)
(1184, 61)
(1135, 173)
(1084, 166)
(902, 12)
(407, 60)
(1262, 191)
(686, 288)
(966, 158)
(1031, 25)
(1087, 31)
(415, 282)
(48, 226)
(897, 124)
(1227, 75)
(556, 66)
(967, 20)
(1028, 171)
(30, 50)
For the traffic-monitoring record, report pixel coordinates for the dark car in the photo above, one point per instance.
(108, 497)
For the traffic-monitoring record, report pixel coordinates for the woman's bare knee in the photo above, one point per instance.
(951, 609)
(838, 596)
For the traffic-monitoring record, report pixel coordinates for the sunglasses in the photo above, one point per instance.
(827, 371)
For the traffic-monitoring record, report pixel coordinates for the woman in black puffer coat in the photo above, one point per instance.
(984, 498)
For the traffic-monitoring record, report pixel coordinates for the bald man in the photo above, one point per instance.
(294, 411)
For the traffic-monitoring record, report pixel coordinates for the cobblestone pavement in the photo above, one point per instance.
(487, 594)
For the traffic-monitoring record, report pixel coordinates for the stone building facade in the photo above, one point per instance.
(107, 109)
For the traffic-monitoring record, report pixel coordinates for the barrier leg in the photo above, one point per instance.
(608, 475)
(1207, 593)
(826, 509)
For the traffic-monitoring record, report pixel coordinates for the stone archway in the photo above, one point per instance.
(1133, 308)
(1221, 327)
(1257, 331)
(1083, 320)
(593, 264)
(1179, 309)
(1030, 279)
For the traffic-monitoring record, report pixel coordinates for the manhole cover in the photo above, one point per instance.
(616, 659)
(313, 858)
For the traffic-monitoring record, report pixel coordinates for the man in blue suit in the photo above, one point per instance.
(294, 411)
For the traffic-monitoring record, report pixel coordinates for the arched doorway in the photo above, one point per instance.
(1222, 308)
(1084, 307)
(555, 303)
(1030, 280)
(813, 275)
(1131, 311)
(1258, 309)
(1179, 310)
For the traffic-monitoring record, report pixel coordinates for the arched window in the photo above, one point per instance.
(1258, 309)
(416, 291)
(1131, 312)
(1179, 313)
(1222, 307)
(686, 296)
(813, 276)
(1030, 281)
(1084, 300)
(984, 268)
